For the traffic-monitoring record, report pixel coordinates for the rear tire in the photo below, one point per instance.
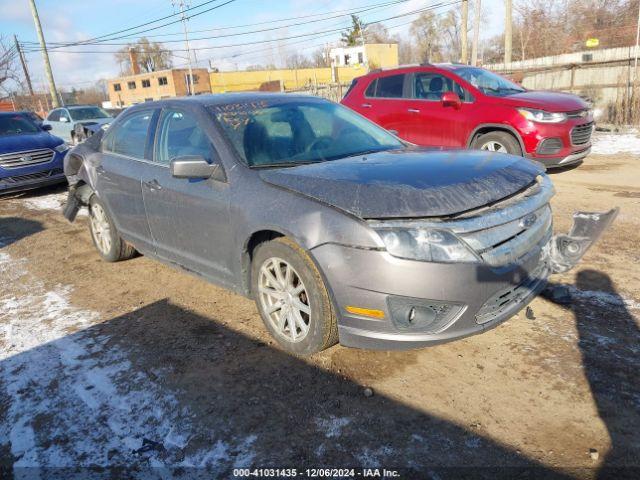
(110, 246)
(292, 298)
(498, 142)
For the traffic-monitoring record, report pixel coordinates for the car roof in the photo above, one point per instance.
(71, 107)
(417, 67)
(229, 98)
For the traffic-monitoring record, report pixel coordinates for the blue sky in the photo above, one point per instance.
(74, 20)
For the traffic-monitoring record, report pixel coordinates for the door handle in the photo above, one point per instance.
(366, 105)
(413, 110)
(153, 185)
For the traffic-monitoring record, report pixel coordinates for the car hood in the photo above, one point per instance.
(549, 101)
(34, 141)
(409, 183)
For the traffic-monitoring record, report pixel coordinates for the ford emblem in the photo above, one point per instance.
(529, 220)
(26, 159)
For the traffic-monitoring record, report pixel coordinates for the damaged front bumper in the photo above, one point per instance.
(421, 303)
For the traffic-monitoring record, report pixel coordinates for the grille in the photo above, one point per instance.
(581, 134)
(31, 176)
(23, 159)
(549, 146)
(513, 296)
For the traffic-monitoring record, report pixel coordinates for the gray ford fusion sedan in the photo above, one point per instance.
(337, 229)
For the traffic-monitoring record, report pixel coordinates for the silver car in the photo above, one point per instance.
(337, 229)
(71, 122)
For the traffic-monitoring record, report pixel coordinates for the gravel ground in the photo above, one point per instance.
(138, 366)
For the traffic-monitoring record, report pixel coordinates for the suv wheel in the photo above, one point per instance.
(291, 297)
(500, 142)
(105, 237)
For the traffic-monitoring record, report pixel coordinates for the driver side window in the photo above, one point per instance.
(181, 136)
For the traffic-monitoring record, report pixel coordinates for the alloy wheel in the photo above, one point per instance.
(494, 146)
(100, 228)
(284, 299)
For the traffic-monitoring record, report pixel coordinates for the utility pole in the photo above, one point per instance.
(55, 100)
(182, 5)
(465, 41)
(507, 32)
(24, 65)
(476, 34)
(636, 54)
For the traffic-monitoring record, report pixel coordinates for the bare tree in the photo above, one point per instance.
(297, 60)
(9, 78)
(320, 58)
(151, 56)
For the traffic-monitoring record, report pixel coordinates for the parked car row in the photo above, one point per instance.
(338, 229)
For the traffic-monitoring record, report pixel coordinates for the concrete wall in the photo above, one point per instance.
(604, 76)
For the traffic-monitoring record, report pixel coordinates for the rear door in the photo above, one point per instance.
(385, 102)
(431, 123)
(188, 218)
(126, 151)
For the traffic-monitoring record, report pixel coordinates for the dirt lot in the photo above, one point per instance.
(135, 364)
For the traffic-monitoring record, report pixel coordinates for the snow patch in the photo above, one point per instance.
(332, 426)
(611, 143)
(53, 201)
(73, 399)
(604, 299)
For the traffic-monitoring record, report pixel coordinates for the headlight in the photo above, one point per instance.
(427, 244)
(541, 116)
(63, 147)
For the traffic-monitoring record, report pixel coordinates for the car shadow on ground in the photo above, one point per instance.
(13, 229)
(139, 392)
(609, 342)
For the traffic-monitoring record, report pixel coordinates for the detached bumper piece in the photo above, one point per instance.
(77, 197)
(565, 251)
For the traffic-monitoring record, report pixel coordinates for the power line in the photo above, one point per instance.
(356, 10)
(215, 47)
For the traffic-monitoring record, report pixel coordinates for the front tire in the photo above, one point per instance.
(498, 142)
(105, 237)
(292, 298)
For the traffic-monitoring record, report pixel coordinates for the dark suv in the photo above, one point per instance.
(455, 105)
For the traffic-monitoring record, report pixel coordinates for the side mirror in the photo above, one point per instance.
(47, 128)
(195, 166)
(451, 99)
(64, 119)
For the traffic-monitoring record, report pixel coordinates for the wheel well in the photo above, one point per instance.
(494, 128)
(256, 239)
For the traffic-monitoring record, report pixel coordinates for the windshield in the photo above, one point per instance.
(488, 82)
(297, 132)
(88, 113)
(17, 125)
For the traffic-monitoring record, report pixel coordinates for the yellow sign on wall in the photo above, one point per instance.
(592, 42)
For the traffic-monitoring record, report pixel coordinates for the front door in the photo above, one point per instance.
(189, 218)
(431, 122)
(125, 154)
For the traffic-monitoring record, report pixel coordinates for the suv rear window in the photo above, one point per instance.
(386, 87)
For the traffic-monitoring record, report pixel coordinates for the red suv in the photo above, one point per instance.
(462, 106)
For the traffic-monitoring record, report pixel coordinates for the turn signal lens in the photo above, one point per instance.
(366, 312)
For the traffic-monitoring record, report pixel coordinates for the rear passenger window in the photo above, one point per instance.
(130, 137)
(371, 89)
(181, 136)
(390, 87)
